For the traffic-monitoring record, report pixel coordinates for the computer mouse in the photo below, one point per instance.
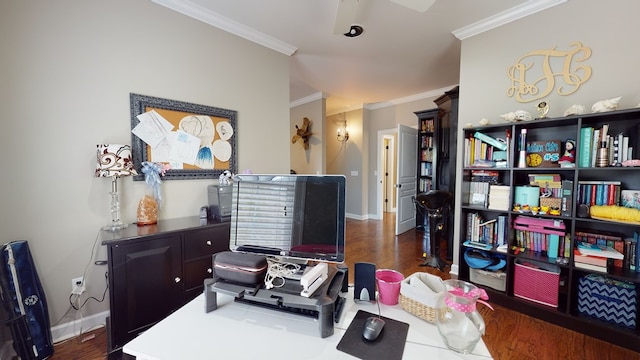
(372, 328)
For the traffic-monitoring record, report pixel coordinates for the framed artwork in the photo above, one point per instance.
(198, 141)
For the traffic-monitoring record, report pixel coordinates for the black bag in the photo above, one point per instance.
(240, 268)
(24, 300)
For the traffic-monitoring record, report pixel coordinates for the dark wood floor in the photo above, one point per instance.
(509, 335)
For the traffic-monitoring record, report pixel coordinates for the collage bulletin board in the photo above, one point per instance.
(215, 127)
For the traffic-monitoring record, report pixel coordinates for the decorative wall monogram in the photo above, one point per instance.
(529, 83)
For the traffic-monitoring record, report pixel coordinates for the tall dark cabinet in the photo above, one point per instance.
(154, 270)
(437, 141)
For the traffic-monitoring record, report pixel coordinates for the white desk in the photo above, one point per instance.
(242, 331)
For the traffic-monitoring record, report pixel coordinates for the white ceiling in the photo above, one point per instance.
(402, 55)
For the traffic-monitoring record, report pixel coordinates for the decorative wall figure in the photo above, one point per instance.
(303, 133)
(530, 83)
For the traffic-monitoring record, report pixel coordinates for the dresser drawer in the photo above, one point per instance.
(211, 240)
(196, 271)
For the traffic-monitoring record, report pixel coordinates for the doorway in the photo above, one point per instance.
(387, 167)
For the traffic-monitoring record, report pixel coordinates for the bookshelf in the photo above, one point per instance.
(543, 233)
(427, 149)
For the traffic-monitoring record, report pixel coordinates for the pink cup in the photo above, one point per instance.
(388, 285)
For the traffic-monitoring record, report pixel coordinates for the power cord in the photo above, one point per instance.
(278, 271)
(75, 298)
(104, 294)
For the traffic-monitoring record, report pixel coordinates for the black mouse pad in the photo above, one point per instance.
(388, 346)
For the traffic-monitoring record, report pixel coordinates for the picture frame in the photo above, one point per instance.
(181, 114)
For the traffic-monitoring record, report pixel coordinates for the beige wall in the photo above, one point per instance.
(67, 70)
(386, 119)
(611, 31)
(347, 158)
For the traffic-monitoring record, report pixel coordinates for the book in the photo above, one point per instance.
(567, 197)
(586, 142)
(636, 245)
(477, 245)
(586, 248)
(595, 145)
(591, 267)
(589, 259)
(629, 254)
(544, 153)
(497, 143)
(554, 244)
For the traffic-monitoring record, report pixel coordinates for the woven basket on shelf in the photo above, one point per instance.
(551, 202)
(418, 309)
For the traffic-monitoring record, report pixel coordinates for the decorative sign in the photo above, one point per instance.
(534, 75)
(543, 153)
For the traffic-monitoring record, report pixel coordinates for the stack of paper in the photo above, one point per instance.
(499, 197)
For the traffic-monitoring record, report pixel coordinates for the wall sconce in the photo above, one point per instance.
(343, 131)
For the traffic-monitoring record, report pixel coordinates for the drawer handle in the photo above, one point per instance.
(209, 270)
(209, 242)
(177, 279)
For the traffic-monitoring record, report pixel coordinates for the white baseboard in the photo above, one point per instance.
(73, 328)
(356, 217)
(454, 270)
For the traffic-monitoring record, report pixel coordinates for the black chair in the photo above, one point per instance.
(434, 207)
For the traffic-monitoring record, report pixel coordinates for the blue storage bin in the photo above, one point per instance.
(607, 299)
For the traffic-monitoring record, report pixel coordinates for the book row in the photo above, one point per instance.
(599, 192)
(551, 245)
(425, 185)
(598, 148)
(484, 151)
(426, 169)
(486, 234)
(427, 141)
(427, 155)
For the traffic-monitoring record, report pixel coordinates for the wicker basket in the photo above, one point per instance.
(551, 202)
(418, 309)
(419, 294)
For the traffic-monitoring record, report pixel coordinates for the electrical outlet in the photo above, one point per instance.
(77, 285)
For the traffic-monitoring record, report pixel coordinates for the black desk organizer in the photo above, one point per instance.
(324, 305)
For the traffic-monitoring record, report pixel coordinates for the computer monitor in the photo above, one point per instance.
(299, 217)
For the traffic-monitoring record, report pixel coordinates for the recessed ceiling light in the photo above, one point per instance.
(355, 30)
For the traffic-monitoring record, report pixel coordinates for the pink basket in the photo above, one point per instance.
(536, 281)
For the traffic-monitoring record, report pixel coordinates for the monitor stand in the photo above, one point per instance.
(324, 305)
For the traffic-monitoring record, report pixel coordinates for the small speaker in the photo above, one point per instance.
(364, 277)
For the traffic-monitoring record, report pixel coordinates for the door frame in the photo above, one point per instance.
(382, 135)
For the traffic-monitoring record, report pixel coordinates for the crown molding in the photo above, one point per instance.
(214, 19)
(377, 105)
(406, 99)
(518, 12)
(307, 99)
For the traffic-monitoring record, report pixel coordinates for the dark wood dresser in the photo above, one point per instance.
(154, 270)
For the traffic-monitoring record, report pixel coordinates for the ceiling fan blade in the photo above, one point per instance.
(417, 5)
(345, 16)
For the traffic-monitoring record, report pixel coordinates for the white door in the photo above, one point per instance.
(406, 178)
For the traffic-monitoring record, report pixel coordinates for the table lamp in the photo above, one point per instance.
(114, 161)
